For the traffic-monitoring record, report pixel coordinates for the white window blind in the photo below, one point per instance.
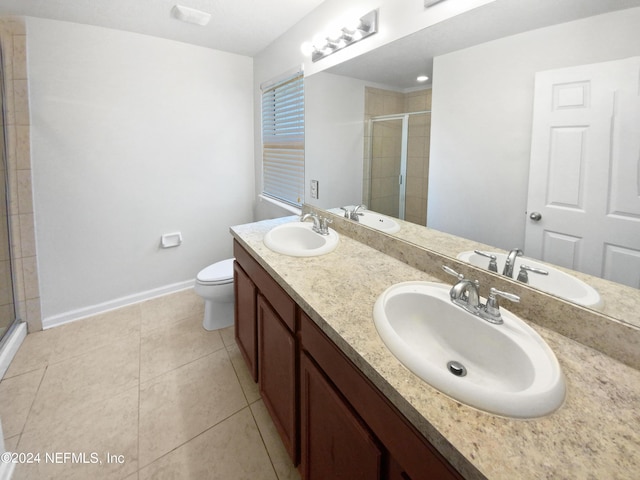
(283, 140)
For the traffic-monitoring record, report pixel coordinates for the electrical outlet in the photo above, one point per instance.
(315, 189)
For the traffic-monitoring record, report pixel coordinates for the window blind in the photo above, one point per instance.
(283, 140)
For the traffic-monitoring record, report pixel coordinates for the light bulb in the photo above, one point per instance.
(307, 48)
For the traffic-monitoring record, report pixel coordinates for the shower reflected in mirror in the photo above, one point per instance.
(7, 298)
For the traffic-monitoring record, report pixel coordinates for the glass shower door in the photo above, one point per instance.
(399, 162)
(7, 303)
(388, 162)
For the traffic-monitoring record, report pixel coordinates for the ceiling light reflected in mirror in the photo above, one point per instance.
(324, 44)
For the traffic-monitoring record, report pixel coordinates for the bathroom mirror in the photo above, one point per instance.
(483, 65)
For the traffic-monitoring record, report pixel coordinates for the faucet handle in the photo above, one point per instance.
(451, 271)
(491, 312)
(524, 277)
(493, 264)
(509, 296)
(324, 225)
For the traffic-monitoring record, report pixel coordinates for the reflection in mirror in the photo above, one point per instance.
(396, 161)
(483, 94)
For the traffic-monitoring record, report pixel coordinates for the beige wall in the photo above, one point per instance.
(382, 166)
(13, 41)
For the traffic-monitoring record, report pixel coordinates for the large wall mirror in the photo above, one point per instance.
(488, 69)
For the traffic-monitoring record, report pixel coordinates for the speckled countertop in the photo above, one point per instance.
(594, 435)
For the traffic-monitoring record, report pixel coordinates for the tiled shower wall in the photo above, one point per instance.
(378, 167)
(13, 41)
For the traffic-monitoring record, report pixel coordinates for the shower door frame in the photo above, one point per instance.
(402, 178)
(5, 178)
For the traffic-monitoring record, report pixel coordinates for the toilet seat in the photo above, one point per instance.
(220, 273)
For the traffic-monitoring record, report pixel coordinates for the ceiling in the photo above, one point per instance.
(244, 27)
(399, 63)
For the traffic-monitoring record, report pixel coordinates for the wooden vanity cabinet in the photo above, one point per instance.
(265, 333)
(278, 372)
(335, 442)
(405, 453)
(330, 417)
(245, 329)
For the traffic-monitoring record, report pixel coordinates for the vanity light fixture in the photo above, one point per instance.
(321, 47)
(190, 15)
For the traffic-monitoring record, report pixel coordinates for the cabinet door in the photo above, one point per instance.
(278, 374)
(335, 444)
(245, 318)
(411, 456)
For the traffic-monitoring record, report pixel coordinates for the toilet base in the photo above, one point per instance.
(217, 315)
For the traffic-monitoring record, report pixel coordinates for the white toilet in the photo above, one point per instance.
(215, 285)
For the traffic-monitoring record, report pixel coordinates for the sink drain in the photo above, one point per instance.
(457, 368)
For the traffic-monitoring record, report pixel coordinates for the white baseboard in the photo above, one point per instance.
(84, 312)
(10, 348)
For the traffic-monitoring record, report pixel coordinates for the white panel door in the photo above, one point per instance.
(584, 178)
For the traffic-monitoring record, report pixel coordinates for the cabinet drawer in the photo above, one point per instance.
(284, 306)
(418, 458)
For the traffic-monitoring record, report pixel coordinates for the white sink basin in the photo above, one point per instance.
(372, 219)
(378, 221)
(298, 239)
(556, 283)
(510, 370)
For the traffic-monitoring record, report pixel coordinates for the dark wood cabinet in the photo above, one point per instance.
(335, 443)
(331, 418)
(246, 331)
(407, 454)
(277, 362)
(265, 328)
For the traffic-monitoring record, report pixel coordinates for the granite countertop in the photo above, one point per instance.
(595, 434)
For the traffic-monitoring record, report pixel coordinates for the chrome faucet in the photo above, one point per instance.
(320, 224)
(511, 261)
(353, 214)
(465, 294)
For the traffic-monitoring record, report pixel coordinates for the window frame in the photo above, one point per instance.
(282, 139)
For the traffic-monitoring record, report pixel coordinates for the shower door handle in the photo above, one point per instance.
(399, 179)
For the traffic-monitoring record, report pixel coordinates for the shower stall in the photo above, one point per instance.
(399, 165)
(9, 321)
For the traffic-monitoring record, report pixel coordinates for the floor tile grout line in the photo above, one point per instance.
(167, 325)
(178, 367)
(31, 370)
(106, 343)
(56, 342)
(235, 371)
(33, 401)
(264, 443)
(192, 438)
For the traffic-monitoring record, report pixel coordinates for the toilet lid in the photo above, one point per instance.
(220, 272)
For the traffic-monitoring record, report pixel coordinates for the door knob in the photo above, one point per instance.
(535, 216)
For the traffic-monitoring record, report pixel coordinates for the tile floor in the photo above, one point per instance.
(146, 393)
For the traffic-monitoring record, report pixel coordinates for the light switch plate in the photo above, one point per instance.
(314, 189)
